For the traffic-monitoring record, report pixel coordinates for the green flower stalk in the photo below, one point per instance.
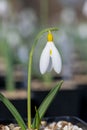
(50, 39)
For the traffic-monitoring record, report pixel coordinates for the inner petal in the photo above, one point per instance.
(49, 68)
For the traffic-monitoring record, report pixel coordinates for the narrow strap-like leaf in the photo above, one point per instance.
(14, 111)
(49, 98)
(37, 120)
(47, 101)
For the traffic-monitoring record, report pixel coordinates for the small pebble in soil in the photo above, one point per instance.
(6, 128)
(2, 127)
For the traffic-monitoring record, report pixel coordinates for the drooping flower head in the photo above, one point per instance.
(50, 57)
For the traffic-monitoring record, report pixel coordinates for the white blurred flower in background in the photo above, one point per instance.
(84, 9)
(23, 54)
(27, 21)
(82, 30)
(68, 15)
(13, 38)
(4, 7)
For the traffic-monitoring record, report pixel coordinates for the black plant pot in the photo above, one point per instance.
(62, 104)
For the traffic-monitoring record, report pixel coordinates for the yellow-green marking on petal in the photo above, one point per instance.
(50, 52)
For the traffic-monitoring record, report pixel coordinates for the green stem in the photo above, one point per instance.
(29, 91)
(29, 72)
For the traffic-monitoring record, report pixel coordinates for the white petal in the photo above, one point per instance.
(44, 59)
(56, 59)
(50, 65)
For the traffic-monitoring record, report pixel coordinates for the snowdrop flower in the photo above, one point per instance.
(50, 57)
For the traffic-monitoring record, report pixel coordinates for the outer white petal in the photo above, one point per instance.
(56, 59)
(44, 59)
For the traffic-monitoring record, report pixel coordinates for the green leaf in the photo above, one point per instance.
(47, 101)
(14, 111)
(37, 120)
(49, 98)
